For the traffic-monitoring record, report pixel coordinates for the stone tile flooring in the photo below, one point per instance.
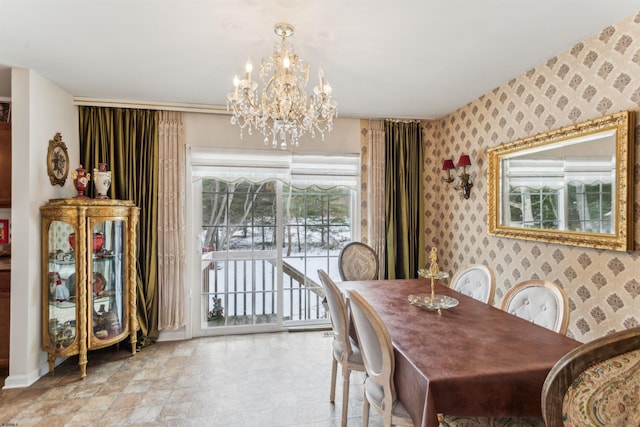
(277, 379)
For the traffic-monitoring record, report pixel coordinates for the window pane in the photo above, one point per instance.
(515, 206)
(590, 207)
(240, 238)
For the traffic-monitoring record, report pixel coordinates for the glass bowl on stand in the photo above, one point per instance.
(433, 301)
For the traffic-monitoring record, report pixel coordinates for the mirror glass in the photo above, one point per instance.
(567, 186)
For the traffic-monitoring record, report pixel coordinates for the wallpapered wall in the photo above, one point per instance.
(596, 77)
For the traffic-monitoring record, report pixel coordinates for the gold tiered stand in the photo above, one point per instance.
(433, 301)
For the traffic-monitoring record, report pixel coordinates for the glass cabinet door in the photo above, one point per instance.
(108, 296)
(62, 287)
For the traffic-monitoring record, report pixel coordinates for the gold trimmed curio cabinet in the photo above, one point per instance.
(88, 276)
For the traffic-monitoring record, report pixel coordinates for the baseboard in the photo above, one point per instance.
(174, 335)
(21, 381)
(324, 327)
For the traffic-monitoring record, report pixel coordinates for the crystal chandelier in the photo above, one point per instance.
(282, 112)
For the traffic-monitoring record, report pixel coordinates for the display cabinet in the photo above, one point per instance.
(88, 276)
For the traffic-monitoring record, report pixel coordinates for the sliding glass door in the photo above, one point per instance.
(263, 235)
(240, 239)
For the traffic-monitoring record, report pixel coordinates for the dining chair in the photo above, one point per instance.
(476, 281)
(596, 384)
(379, 362)
(346, 350)
(539, 301)
(358, 261)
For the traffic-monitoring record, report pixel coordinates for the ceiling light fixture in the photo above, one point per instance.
(282, 112)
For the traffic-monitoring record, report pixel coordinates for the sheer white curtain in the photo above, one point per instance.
(171, 230)
(376, 191)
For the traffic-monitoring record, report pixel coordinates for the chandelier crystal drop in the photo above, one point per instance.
(282, 111)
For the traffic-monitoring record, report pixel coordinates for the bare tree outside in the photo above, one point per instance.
(240, 226)
(243, 213)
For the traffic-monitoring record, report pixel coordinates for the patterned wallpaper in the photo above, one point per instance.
(598, 76)
(60, 230)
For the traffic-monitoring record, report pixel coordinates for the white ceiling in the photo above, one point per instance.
(403, 59)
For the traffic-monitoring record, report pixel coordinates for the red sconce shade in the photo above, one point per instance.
(447, 164)
(464, 160)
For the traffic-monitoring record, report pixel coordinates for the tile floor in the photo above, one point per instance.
(278, 379)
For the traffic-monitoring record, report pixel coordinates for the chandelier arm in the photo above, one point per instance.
(248, 99)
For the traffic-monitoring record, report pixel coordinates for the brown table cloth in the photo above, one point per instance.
(473, 359)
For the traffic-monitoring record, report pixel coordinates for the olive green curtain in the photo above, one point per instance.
(404, 165)
(127, 141)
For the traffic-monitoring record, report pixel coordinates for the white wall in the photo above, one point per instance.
(216, 131)
(39, 110)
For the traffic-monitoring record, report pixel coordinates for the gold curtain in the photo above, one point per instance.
(172, 291)
(376, 192)
(127, 140)
(404, 199)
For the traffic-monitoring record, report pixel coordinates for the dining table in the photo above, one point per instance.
(470, 359)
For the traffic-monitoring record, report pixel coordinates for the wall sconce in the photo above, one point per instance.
(465, 179)
(447, 165)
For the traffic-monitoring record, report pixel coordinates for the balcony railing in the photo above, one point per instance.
(251, 295)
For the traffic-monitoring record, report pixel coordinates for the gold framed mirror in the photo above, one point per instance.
(572, 186)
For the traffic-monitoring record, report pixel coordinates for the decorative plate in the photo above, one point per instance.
(439, 301)
(424, 272)
(99, 283)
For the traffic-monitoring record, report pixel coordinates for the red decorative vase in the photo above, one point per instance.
(98, 241)
(80, 181)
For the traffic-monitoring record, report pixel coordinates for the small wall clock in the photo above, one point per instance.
(57, 161)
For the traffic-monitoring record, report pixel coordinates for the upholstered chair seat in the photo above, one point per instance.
(353, 356)
(375, 394)
(451, 421)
